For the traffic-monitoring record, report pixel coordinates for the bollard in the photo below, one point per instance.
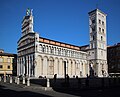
(28, 82)
(18, 80)
(4, 78)
(23, 80)
(0, 78)
(15, 79)
(48, 83)
(10, 79)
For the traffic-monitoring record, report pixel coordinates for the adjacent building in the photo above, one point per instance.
(41, 57)
(114, 59)
(8, 63)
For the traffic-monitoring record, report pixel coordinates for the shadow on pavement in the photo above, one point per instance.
(11, 93)
(82, 89)
(91, 92)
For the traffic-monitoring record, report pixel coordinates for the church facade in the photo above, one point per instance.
(41, 57)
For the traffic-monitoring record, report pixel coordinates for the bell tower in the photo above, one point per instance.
(98, 44)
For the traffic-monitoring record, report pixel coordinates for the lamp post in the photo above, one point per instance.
(5, 75)
(65, 70)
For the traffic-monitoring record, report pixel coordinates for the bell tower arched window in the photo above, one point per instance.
(101, 38)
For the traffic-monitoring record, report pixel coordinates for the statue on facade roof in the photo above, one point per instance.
(29, 12)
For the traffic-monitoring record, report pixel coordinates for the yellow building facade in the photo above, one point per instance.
(6, 63)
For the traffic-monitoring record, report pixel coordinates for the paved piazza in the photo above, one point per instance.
(14, 90)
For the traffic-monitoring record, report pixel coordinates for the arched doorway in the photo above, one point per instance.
(51, 66)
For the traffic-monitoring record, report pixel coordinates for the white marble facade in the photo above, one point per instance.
(50, 60)
(98, 43)
(41, 57)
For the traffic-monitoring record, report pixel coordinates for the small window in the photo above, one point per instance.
(91, 45)
(99, 29)
(43, 50)
(52, 51)
(59, 51)
(1, 59)
(93, 21)
(8, 60)
(89, 53)
(8, 67)
(99, 14)
(77, 66)
(101, 53)
(93, 37)
(36, 47)
(99, 21)
(101, 38)
(66, 52)
(93, 29)
(102, 30)
(102, 23)
(1, 66)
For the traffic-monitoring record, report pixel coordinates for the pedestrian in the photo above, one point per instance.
(67, 79)
(55, 76)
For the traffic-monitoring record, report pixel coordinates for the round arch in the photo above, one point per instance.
(45, 66)
(56, 65)
(61, 68)
(70, 67)
(51, 66)
(39, 66)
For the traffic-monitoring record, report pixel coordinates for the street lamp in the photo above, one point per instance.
(65, 70)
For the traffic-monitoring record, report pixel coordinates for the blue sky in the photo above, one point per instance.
(61, 20)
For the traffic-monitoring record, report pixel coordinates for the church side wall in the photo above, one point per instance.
(50, 61)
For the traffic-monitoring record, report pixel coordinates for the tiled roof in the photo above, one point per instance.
(57, 43)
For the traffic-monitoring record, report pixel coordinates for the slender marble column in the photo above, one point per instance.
(10, 79)
(27, 65)
(18, 67)
(23, 66)
(28, 81)
(0, 78)
(18, 80)
(48, 82)
(41, 66)
(23, 79)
